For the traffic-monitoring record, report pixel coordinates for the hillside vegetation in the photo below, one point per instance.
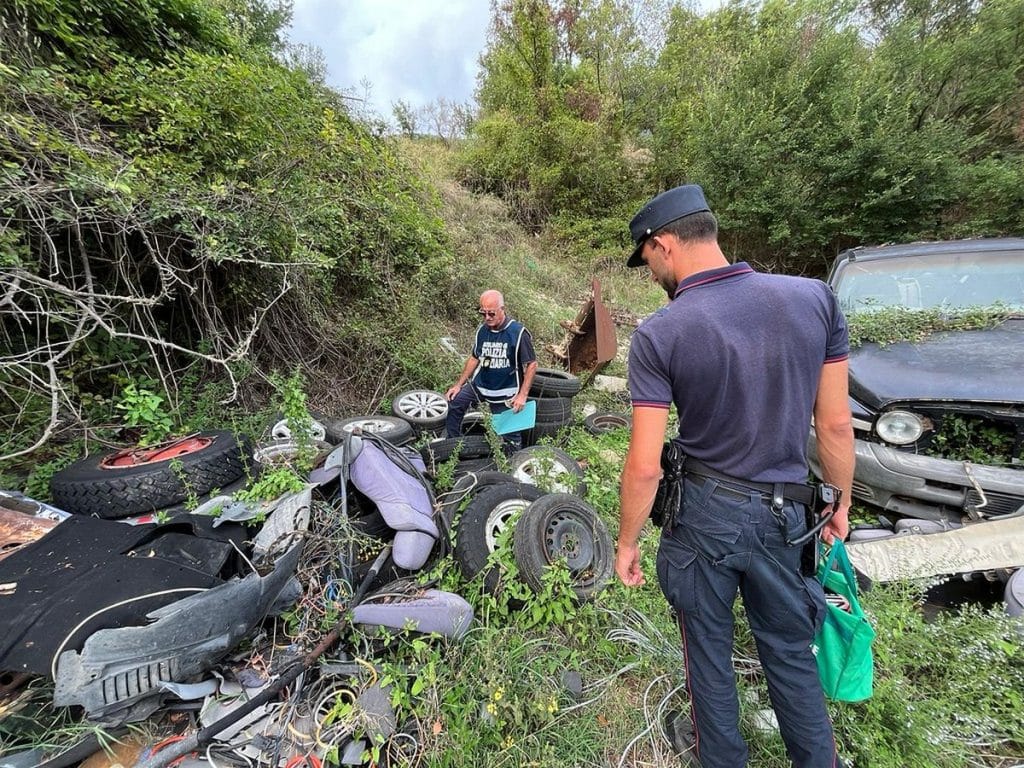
(185, 208)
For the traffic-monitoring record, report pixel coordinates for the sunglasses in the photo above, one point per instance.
(489, 312)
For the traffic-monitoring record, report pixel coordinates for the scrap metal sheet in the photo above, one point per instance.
(983, 546)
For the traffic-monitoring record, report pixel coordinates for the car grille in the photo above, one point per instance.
(973, 432)
(998, 503)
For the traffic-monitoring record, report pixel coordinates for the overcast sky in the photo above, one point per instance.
(414, 50)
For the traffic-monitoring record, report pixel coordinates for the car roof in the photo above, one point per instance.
(975, 245)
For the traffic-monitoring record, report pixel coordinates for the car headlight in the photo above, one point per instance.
(900, 427)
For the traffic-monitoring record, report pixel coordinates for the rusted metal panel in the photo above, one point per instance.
(590, 342)
(18, 529)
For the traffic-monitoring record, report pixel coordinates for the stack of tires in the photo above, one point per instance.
(474, 452)
(553, 390)
(546, 528)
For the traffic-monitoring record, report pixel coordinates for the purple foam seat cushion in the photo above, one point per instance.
(403, 502)
(430, 610)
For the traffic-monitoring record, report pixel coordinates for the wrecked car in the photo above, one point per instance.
(936, 391)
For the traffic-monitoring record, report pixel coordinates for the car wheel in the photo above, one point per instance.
(391, 428)
(281, 431)
(441, 450)
(277, 453)
(482, 523)
(136, 480)
(468, 485)
(560, 526)
(550, 468)
(551, 382)
(423, 408)
(606, 421)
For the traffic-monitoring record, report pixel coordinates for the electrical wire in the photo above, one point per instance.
(94, 614)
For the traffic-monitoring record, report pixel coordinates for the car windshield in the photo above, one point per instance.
(933, 281)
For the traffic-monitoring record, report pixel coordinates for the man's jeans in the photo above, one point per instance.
(467, 398)
(724, 541)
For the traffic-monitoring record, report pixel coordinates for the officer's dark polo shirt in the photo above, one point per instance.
(739, 353)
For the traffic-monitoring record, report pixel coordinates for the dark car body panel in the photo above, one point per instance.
(974, 376)
(980, 365)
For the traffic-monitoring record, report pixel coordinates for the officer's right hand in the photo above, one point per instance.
(627, 565)
(453, 390)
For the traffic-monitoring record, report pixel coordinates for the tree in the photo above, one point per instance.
(810, 134)
(549, 135)
(260, 23)
(448, 120)
(405, 117)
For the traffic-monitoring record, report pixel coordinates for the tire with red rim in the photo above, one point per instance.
(137, 480)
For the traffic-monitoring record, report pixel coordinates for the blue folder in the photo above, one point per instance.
(510, 421)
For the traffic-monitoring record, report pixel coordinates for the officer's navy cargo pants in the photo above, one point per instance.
(725, 540)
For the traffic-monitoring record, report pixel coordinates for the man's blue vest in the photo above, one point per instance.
(499, 374)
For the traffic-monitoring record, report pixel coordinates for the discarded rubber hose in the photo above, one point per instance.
(204, 736)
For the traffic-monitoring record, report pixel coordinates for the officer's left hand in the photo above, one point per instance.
(838, 527)
(517, 403)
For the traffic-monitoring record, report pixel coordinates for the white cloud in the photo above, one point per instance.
(414, 50)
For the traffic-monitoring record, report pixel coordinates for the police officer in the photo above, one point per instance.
(746, 358)
(500, 368)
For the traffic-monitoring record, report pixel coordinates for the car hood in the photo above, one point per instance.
(977, 365)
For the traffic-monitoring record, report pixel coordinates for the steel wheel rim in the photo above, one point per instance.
(610, 422)
(135, 457)
(529, 471)
(281, 431)
(566, 536)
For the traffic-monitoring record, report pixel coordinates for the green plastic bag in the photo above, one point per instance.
(843, 644)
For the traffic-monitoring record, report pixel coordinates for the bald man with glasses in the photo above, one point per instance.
(498, 371)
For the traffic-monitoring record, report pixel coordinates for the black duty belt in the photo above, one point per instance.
(798, 492)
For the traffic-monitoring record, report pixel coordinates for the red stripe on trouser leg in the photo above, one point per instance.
(689, 692)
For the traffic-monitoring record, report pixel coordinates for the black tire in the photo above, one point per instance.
(475, 465)
(606, 421)
(468, 447)
(425, 409)
(558, 526)
(474, 423)
(482, 521)
(87, 487)
(551, 382)
(554, 410)
(541, 430)
(550, 468)
(391, 428)
(467, 486)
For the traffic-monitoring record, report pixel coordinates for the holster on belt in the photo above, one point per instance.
(670, 487)
(825, 497)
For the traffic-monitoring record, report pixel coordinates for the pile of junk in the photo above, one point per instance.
(257, 631)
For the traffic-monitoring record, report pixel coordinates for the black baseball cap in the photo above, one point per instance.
(662, 210)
